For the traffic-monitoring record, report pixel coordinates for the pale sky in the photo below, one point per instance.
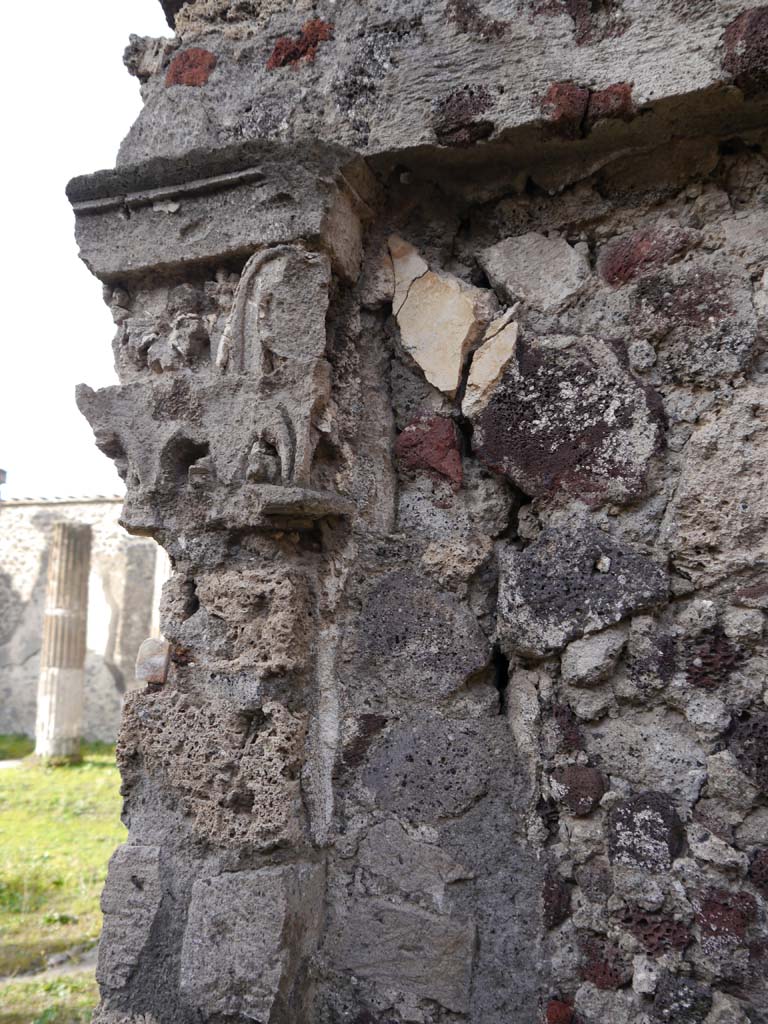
(67, 103)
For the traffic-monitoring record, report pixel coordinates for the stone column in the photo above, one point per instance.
(60, 690)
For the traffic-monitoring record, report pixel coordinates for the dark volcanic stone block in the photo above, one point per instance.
(571, 582)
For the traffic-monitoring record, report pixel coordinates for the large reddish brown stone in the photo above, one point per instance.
(191, 67)
(724, 918)
(593, 441)
(603, 964)
(431, 444)
(658, 933)
(746, 50)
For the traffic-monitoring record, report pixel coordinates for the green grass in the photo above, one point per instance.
(15, 746)
(67, 1000)
(58, 828)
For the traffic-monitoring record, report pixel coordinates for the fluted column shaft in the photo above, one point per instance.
(62, 675)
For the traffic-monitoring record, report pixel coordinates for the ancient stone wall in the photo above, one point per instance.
(120, 599)
(440, 333)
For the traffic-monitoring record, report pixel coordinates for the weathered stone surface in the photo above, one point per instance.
(632, 255)
(707, 539)
(539, 271)
(233, 773)
(413, 867)
(568, 417)
(193, 216)
(700, 315)
(373, 803)
(129, 904)
(407, 951)
(658, 934)
(572, 582)
(680, 1000)
(590, 660)
(247, 943)
(749, 744)
(603, 964)
(266, 615)
(746, 50)
(651, 752)
(645, 831)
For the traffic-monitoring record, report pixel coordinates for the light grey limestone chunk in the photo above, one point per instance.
(592, 659)
(708, 539)
(712, 850)
(543, 272)
(651, 751)
(597, 1006)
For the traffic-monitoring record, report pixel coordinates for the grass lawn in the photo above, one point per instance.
(15, 745)
(58, 828)
(67, 1000)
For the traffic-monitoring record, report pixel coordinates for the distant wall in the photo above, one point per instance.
(120, 608)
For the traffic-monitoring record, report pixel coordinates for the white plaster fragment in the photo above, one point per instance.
(489, 362)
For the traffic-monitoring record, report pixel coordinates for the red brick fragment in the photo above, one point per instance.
(559, 1012)
(565, 106)
(431, 443)
(191, 67)
(614, 103)
(303, 47)
(746, 50)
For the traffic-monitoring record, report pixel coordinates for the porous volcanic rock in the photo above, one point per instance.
(568, 417)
